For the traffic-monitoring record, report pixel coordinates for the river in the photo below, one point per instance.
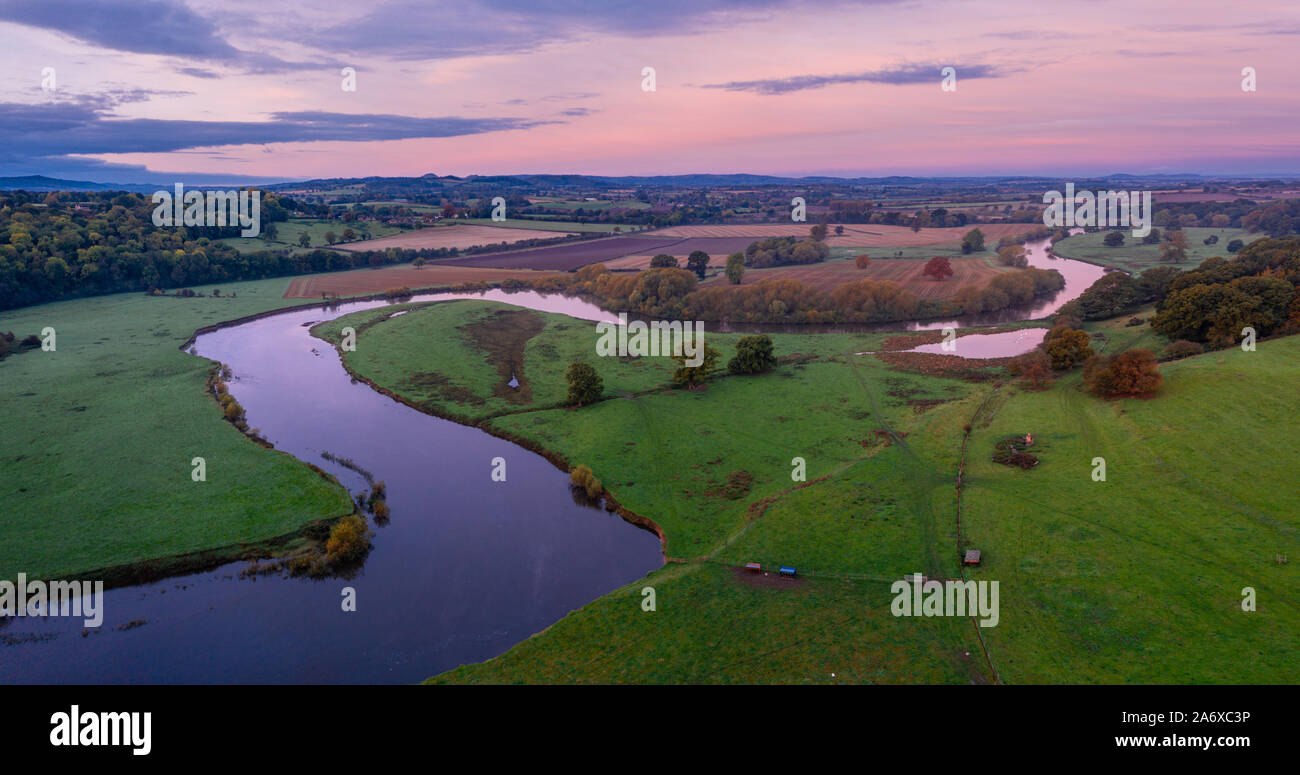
(465, 568)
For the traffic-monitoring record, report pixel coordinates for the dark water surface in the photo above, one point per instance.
(465, 569)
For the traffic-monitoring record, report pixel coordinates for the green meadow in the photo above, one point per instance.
(1139, 578)
(1136, 258)
(98, 438)
(544, 225)
(287, 233)
(1135, 578)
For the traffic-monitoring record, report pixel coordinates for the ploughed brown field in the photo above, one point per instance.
(458, 236)
(364, 281)
(567, 256)
(904, 271)
(855, 234)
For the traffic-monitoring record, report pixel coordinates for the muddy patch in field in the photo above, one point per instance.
(769, 579)
(502, 336)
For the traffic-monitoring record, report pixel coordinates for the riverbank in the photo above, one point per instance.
(96, 461)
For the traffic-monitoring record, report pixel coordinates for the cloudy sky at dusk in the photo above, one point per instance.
(252, 88)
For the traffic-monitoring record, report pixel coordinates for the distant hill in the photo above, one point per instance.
(43, 183)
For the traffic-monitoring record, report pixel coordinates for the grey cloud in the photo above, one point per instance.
(83, 127)
(165, 27)
(901, 75)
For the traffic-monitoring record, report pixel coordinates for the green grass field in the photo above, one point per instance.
(1137, 258)
(287, 234)
(544, 225)
(1135, 579)
(601, 204)
(99, 434)
(1139, 578)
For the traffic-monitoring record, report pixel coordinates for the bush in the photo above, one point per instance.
(1068, 348)
(1130, 373)
(1235, 245)
(1114, 239)
(690, 376)
(1034, 367)
(582, 478)
(349, 540)
(662, 261)
(1182, 349)
(753, 355)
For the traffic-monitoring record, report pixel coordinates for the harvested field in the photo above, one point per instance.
(855, 234)
(565, 257)
(904, 271)
(459, 236)
(364, 281)
(718, 249)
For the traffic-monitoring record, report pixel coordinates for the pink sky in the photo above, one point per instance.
(1077, 88)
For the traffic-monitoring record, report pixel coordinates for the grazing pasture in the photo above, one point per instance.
(286, 236)
(98, 438)
(360, 282)
(455, 236)
(855, 234)
(1136, 258)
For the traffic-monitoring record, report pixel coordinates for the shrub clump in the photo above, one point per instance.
(1130, 373)
(349, 540)
(753, 355)
(582, 478)
(1009, 452)
(1182, 349)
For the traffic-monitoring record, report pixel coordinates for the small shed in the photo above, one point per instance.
(972, 557)
(753, 566)
(787, 571)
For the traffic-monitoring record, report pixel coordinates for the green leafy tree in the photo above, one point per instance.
(753, 355)
(304, 239)
(585, 385)
(735, 267)
(972, 241)
(1112, 294)
(1114, 239)
(698, 262)
(663, 260)
(818, 232)
(690, 376)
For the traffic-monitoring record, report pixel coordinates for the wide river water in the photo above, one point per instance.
(464, 569)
